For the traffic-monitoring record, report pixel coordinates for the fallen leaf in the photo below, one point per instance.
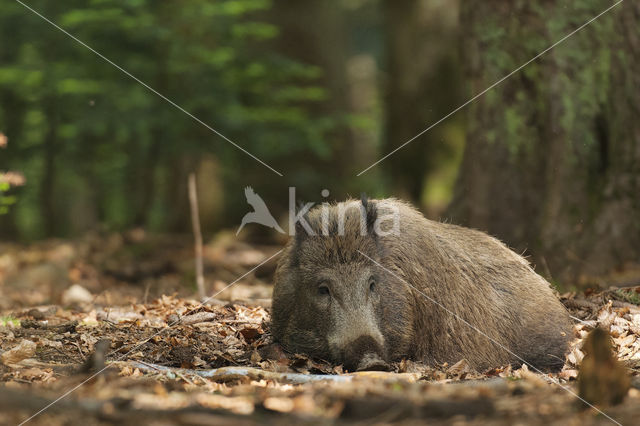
(25, 349)
(459, 369)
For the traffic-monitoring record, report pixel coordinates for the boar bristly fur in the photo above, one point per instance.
(358, 292)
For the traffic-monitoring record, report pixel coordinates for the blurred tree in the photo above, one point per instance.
(552, 159)
(98, 148)
(315, 32)
(421, 86)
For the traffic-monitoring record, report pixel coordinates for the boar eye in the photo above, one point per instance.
(323, 290)
(372, 284)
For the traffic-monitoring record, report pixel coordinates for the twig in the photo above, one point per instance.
(152, 366)
(111, 323)
(195, 220)
(185, 378)
(79, 349)
(146, 292)
(59, 328)
(591, 323)
(581, 304)
(198, 317)
(226, 374)
(546, 268)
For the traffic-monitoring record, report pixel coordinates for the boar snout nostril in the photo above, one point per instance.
(372, 362)
(364, 353)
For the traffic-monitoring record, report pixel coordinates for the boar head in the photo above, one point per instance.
(333, 303)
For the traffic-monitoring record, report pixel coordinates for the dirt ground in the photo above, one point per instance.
(105, 329)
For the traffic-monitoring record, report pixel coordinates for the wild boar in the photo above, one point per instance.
(364, 283)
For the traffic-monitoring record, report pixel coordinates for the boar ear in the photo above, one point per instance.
(370, 213)
(298, 238)
(301, 232)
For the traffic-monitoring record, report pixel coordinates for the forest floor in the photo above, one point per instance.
(104, 330)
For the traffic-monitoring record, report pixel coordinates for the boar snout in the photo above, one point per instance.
(364, 353)
(371, 362)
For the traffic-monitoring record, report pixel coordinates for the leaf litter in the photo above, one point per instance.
(169, 357)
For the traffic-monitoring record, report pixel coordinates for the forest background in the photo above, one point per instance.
(548, 160)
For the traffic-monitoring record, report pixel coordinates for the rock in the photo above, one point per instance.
(36, 314)
(76, 294)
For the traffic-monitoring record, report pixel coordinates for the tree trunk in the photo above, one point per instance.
(152, 156)
(314, 32)
(421, 87)
(147, 180)
(552, 158)
(47, 184)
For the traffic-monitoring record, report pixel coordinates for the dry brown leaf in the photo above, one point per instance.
(26, 349)
(459, 369)
(568, 374)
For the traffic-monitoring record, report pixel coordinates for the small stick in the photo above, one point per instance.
(195, 220)
(226, 374)
(547, 270)
(198, 317)
(146, 293)
(177, 373)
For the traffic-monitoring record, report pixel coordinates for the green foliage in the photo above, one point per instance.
(101, 141)
(628, 295)
(7, 321)
(5, 200)
(6, 181)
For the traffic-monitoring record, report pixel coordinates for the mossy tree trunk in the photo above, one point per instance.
(552, 158)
